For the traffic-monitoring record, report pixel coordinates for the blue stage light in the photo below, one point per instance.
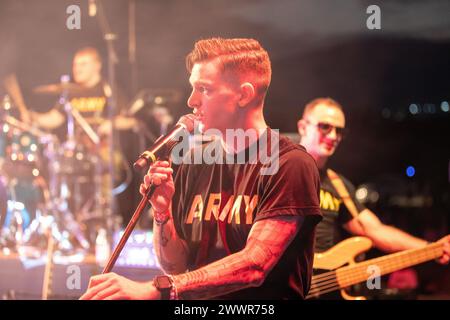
(410, 171)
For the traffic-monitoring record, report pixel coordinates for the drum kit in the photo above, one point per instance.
(50, 187)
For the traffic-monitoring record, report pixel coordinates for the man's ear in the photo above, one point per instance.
(248, 93)
(301, 127)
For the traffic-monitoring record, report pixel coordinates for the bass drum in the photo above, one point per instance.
(21, 193)
(21, 150)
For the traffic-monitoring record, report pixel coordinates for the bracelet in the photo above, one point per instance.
(173, 291)
(160, 217)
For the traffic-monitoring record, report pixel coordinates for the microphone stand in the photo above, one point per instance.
(139, 164)
(109, 37)
(133, 221)
(132, 44)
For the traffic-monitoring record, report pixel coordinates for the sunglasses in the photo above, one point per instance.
(326, 128)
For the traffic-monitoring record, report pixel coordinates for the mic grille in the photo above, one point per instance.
(187, 121)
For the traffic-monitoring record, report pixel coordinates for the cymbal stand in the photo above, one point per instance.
(67, 225)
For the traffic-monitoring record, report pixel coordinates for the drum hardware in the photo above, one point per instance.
(53, 213)
(68, 170)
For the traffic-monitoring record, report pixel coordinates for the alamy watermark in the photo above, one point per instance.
(258, 146)
(73, 21)
(373, 22)
(73, 281)
(374, 279)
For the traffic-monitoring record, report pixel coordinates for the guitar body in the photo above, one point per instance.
(344, 253)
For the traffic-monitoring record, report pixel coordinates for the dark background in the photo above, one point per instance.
(318, 48)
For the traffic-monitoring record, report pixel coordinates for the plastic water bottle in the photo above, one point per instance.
(102, 249)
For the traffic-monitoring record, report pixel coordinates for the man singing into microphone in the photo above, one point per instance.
(224, 230)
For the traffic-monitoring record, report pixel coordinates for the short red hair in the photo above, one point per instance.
(240, 56)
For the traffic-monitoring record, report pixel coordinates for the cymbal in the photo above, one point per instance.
(120, 123)
(59, 88)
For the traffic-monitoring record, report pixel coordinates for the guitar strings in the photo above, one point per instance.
(329, 285)
(380, 260)
(344, 274)
(327, 282)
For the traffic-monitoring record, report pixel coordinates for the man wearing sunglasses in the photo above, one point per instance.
(322, 128)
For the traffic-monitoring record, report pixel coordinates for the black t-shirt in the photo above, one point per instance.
(92, 105)
(334, 211)
(215, 206)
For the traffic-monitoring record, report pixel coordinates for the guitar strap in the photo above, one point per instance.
(339, 186)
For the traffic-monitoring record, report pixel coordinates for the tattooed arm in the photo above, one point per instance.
(172, 252)
(246, 268)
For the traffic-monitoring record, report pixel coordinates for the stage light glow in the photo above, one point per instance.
(444, 106)
(410, 171)
(25, 141)
(158, 100)
(361, 194)
(139, 251)
(15, 205)
(374, 196)
(413, 108)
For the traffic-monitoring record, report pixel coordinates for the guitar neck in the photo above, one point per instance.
(360, 272)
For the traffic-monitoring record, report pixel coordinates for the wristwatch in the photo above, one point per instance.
(165, 285)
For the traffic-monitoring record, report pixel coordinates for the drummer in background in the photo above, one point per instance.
(88, 94)
(89, 99)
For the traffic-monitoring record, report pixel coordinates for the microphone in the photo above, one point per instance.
(92, 8)
(165, 143)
